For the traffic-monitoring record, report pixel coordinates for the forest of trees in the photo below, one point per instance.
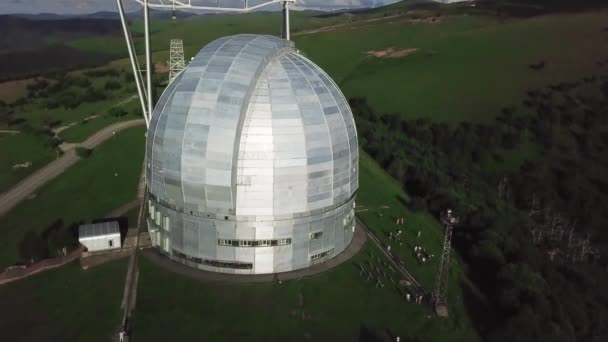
(532, 230)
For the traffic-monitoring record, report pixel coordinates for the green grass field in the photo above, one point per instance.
(86, 191)
(82, 130)
(27, 147)
(465, 67)
(385, 201)
(36, 114)
(114, 46)
(195, 33)
(337, 305)
(18, 149)
(489, 56)
(64, 304)
(377, 190)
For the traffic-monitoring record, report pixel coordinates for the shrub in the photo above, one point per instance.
(112, 85)
(32, 248)
(417, 204)
(117, 112)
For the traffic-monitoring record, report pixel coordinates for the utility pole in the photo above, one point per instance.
(440, 293)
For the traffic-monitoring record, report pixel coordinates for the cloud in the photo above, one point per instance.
(92, 6)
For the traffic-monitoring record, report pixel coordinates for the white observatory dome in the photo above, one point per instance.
(251, 160)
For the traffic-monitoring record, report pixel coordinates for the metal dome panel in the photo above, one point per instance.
(251, 160)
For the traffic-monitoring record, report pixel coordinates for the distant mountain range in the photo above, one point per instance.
(47, 8)
(166, 14)
(107, 15)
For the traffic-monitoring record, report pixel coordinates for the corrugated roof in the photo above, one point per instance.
(98, 229)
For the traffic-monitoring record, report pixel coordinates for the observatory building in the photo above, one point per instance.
(251, 161)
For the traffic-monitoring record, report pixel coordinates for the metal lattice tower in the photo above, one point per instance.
(176, 58)
(440, 293)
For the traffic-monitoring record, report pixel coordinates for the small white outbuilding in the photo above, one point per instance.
(100, 236)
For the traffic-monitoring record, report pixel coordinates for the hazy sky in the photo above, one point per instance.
(91, 6)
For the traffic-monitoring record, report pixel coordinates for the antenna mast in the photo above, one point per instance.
(440, 293)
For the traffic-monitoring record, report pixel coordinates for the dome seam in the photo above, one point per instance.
(326, 124)
(262, 67)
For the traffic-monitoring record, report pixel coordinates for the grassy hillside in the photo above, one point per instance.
(88, 190)
(33, 47)
(340, 304)
(22, 148)
(336, 305)
(65, 304)
(465, 67)
(459, 68)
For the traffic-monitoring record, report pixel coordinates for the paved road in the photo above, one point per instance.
(26, 187)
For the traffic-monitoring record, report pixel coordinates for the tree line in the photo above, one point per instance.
(528, 293)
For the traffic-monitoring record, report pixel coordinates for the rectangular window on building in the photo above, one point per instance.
(245, 243)
(253, 243)
(167, 224)
(228, 264)
(316, 235)
(157, 220)
(110, 243)
(322, 254)
(226, 242)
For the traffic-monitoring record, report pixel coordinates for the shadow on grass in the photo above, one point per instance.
(478, 308)
(368, 335)
(476, 304)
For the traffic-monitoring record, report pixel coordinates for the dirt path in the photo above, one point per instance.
(391, 52)
(10, 275)
(334, 27)
(26, 187)
(58, 130)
